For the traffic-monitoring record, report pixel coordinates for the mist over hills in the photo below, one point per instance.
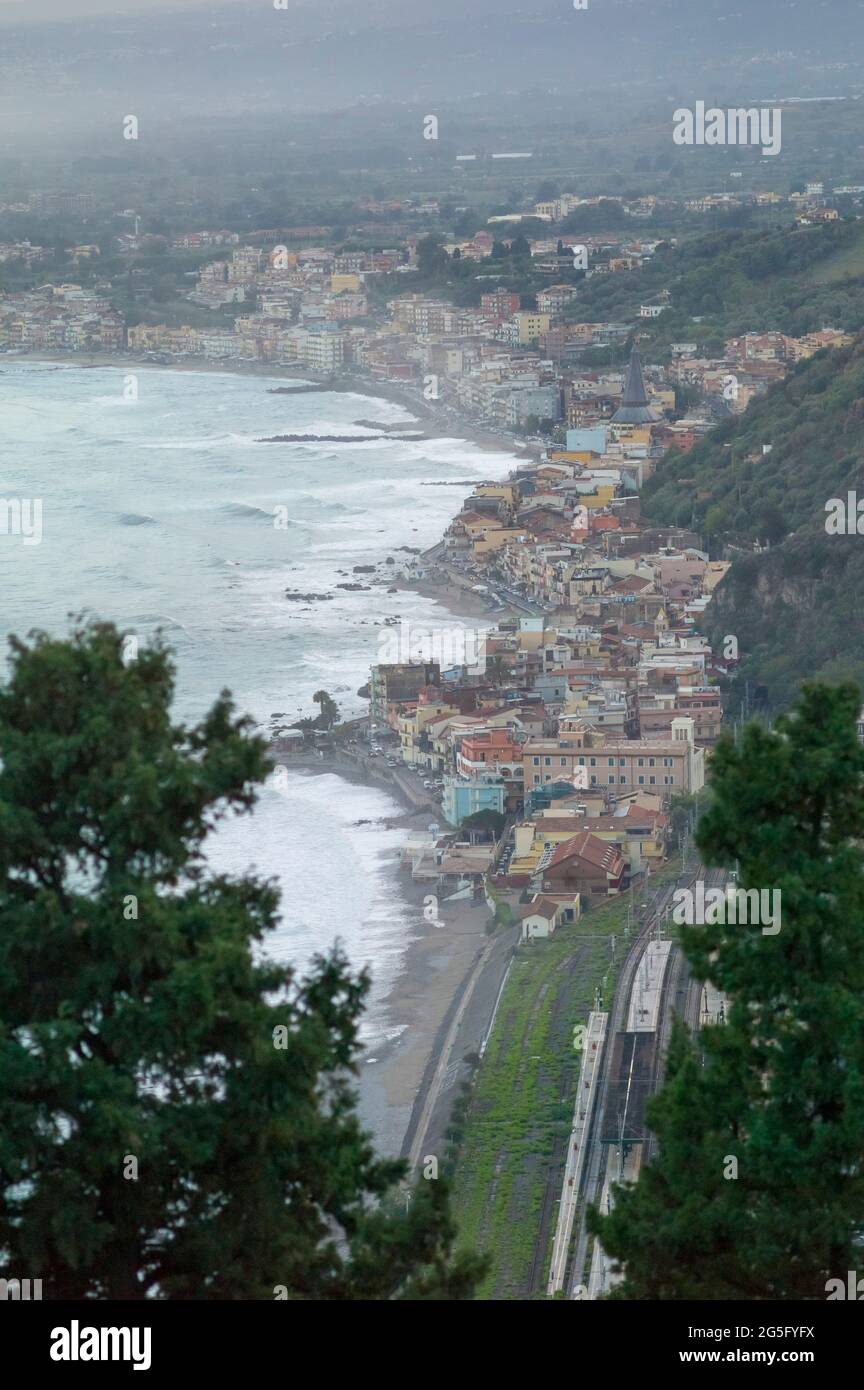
(245, 58)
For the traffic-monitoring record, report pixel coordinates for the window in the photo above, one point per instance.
(611, 762)
(623, 781)
(547, 762)
(641, 762)
(563, 762)
(621, 764)
(641, 781)
(593, 762)
(652, 780)
(611, 778)
(651, 764)
(536, 762)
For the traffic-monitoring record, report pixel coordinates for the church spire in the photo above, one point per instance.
(634, 408)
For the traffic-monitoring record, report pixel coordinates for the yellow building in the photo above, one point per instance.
(530, 325)
(507, 492)
(638, 843)
(345, 281)
(572, 456)
(596, 501)
(410, 728)
(493, 539)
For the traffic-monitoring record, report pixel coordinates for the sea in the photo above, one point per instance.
(158, 502)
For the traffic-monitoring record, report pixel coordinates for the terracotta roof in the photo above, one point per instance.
(658, 818)
(599, 853)
(540, 907)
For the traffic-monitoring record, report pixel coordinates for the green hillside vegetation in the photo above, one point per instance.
(794, 596)
(739, 281)
(845, 263)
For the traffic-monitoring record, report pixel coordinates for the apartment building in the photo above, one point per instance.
(666, 767)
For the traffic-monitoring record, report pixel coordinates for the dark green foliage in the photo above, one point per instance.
(733, 282)
(492, 821)
(782, 1086)
(140, 1026)
(796, 610)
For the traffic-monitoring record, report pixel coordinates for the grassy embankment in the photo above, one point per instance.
(521, 1108)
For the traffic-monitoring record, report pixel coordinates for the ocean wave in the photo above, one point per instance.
(134, 519)
(317, 503)
(153, 618)
(248, 509)
(217, 441)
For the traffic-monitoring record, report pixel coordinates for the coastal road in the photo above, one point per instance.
(464, 1030)
(356, 764)
(497, 592)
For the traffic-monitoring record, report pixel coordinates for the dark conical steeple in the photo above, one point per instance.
(634, 408)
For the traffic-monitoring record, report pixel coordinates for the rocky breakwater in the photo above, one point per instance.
(411, 438)
(386, 575)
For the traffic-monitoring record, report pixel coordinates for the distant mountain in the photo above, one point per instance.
(326, 54)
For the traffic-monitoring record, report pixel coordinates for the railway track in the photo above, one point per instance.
(675, 981)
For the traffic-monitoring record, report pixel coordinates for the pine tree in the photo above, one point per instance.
(781, 1091)
(177, 1116)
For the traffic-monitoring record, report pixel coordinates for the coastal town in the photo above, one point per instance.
(555, 749)
(432, 714)
(290, 297)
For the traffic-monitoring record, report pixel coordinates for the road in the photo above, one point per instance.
(496, 591)
(467, 1029)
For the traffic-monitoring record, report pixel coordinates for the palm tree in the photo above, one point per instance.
(329, 709)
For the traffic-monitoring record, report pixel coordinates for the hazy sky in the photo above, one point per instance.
(42, 10)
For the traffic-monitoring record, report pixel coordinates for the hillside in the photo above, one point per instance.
(790, 280)
(796, 600)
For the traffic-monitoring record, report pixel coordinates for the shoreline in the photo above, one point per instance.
(440, 421)
(441, 1002)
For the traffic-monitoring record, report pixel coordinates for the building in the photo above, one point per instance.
(667, 766)
(587, 865)
(634, 408)
(324, 351)
(543, 402)
(500, 304)
(540, 917)
(463, 799)
(399, 683)
(492, 752)
(529, 325)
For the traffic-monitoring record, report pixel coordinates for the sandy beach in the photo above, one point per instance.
(441, 1004)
